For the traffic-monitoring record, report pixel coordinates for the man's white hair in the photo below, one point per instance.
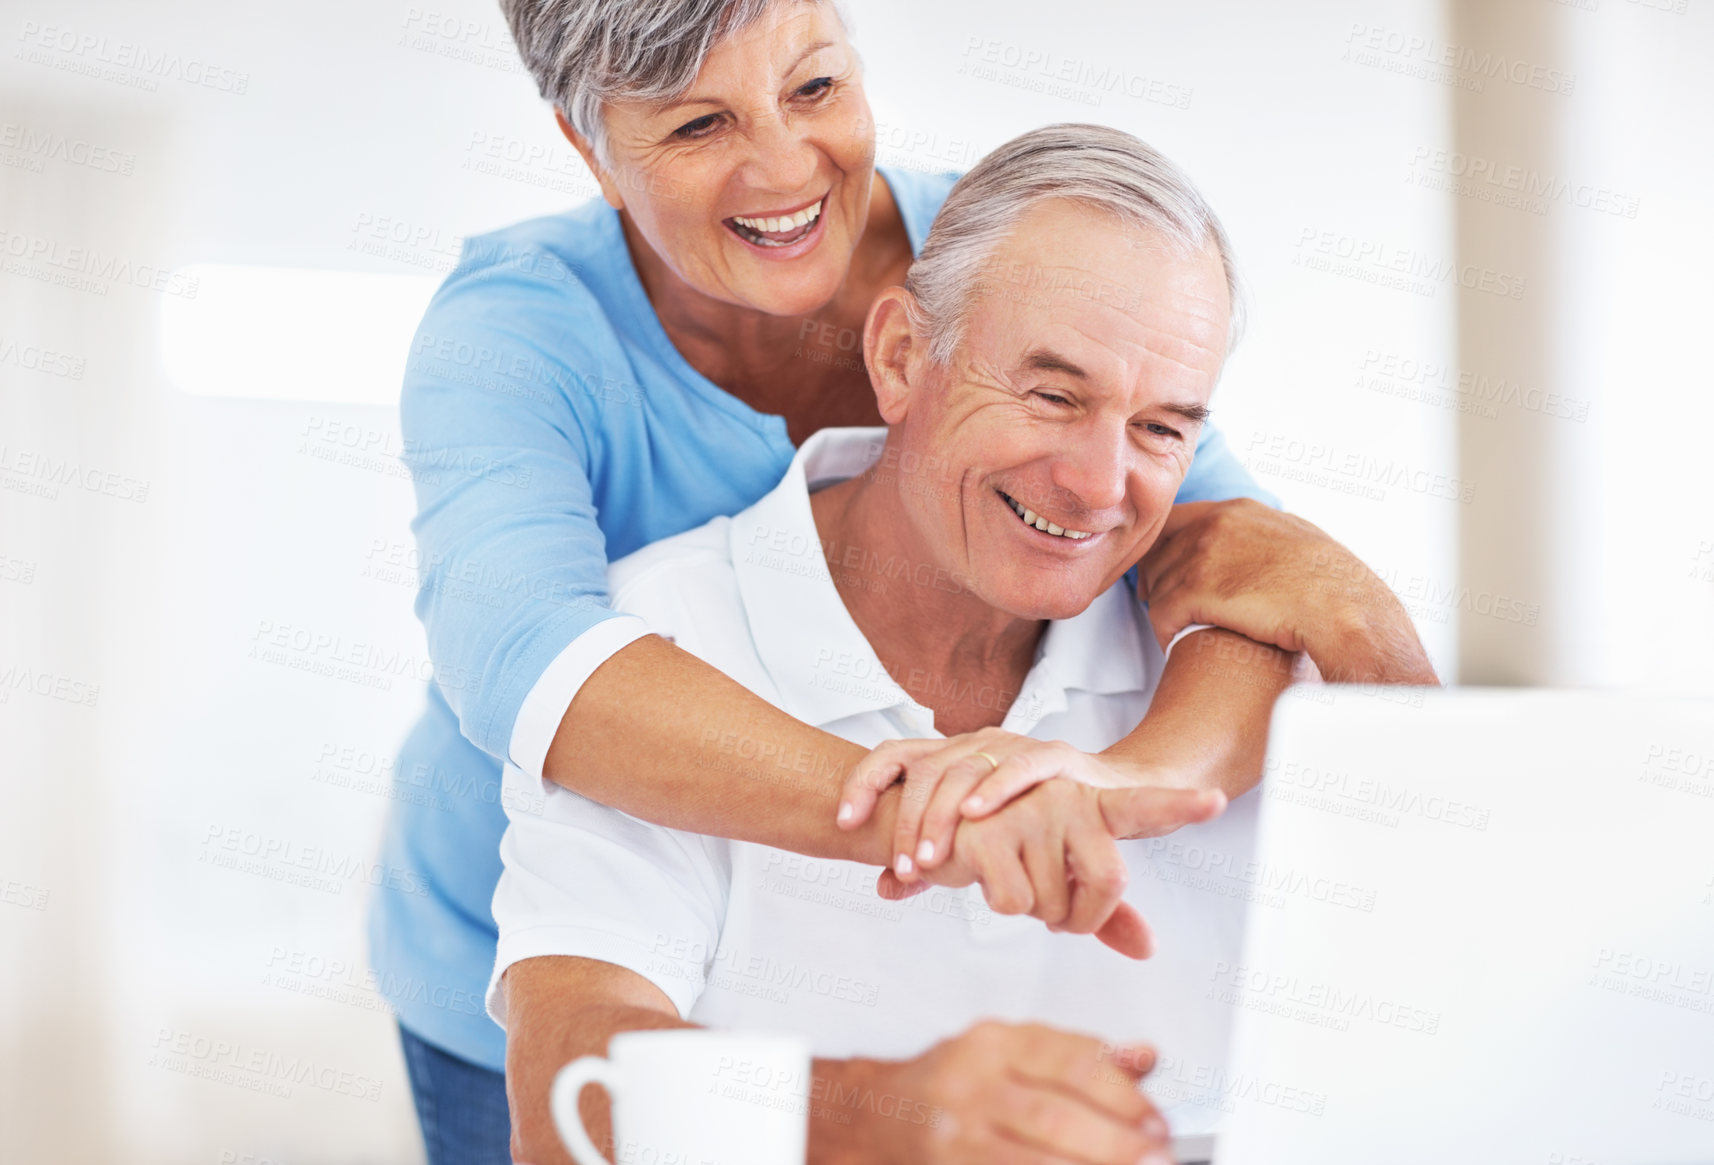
(585, 53)
(1096, 165)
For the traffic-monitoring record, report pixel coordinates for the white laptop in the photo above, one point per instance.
(1505, 952)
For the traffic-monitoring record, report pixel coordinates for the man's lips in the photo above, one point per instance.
(1038, 522)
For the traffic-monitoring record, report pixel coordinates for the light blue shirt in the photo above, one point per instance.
(550, 425)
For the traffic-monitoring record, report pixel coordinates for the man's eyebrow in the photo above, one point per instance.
(692, 99)
(1191, 412)
(1043, 360)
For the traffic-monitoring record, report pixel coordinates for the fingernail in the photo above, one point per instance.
(847, 811)
(972, 804)
(903, 865)
(925, 851)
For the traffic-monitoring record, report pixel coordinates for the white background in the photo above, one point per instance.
(363, 124)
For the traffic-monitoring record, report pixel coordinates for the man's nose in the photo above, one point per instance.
(1091, 470)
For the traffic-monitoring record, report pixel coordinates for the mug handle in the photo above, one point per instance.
(562, 1101)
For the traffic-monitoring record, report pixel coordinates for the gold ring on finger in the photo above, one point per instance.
(987, 758)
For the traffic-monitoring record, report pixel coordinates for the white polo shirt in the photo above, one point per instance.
(744, 935)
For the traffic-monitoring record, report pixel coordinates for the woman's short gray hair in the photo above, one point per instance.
(1093, 164)
(584, 53)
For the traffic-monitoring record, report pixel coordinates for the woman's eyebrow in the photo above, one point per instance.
(692, 99)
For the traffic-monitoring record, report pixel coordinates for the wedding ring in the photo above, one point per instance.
(987, 758)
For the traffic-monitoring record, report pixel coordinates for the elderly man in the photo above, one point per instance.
(1043, 376)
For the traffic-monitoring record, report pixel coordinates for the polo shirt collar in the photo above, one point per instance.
(822, 665)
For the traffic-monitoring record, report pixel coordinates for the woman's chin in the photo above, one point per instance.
(787, 293)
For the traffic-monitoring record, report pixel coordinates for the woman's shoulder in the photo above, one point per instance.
(918, 194)
(551, 270)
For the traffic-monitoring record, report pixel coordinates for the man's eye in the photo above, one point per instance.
(1160, 430)
(1052, 397)
(700, 128)
(816, 87)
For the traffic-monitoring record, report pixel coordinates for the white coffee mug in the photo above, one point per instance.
(693, 1096)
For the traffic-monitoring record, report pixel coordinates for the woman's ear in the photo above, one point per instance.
(609, 189)
(895, 354)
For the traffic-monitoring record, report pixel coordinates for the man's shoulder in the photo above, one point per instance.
(680, 579)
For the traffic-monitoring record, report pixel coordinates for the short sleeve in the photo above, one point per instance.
(584, 880)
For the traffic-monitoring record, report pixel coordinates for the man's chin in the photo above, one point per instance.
(1061, 603)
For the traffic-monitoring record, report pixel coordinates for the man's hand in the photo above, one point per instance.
(1279, 580)
(1052, 854)
(1001, 1094)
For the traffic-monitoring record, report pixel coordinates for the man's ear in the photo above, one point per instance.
(586, 151)
(897, 357)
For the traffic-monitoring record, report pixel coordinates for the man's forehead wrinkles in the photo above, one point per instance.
(1154, 345)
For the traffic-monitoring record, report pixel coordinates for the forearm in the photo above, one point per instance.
(560, 1008)
(557, 1009)
(1377, 645)
(663, 736)
(854, 1118)
(1207, 723)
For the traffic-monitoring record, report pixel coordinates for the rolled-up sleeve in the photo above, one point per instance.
(501, 448)
(584, 880)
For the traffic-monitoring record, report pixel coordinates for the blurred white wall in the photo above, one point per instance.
(148, 952)
(1589, 178)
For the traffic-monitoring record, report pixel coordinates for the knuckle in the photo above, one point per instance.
(1050, 1121)
(1114, 878)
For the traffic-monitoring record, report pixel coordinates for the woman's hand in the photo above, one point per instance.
(972, 775)
(1279, 580)
(1036, 846)
(1053, 854)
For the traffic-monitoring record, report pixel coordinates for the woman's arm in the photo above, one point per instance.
(1282, 581)
(1207, 724)
(661, 735)
(1302, 601)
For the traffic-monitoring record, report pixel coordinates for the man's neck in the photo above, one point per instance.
(951, 651)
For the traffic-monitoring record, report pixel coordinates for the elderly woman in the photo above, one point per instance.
(587, 383)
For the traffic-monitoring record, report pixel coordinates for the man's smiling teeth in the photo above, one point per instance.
(790, 222)
(1032, 518)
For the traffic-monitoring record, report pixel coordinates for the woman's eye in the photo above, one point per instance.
(816, 87)
(700, 128)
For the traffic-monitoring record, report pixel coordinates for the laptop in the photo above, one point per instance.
(1503, 950)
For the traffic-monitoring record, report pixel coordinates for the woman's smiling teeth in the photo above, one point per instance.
(780, 231)
(1031, 518)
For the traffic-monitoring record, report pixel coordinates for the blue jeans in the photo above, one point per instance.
(461, 1106)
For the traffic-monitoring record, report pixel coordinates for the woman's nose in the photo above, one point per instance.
(782, 157)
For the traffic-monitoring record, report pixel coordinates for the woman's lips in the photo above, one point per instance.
(774, 233)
